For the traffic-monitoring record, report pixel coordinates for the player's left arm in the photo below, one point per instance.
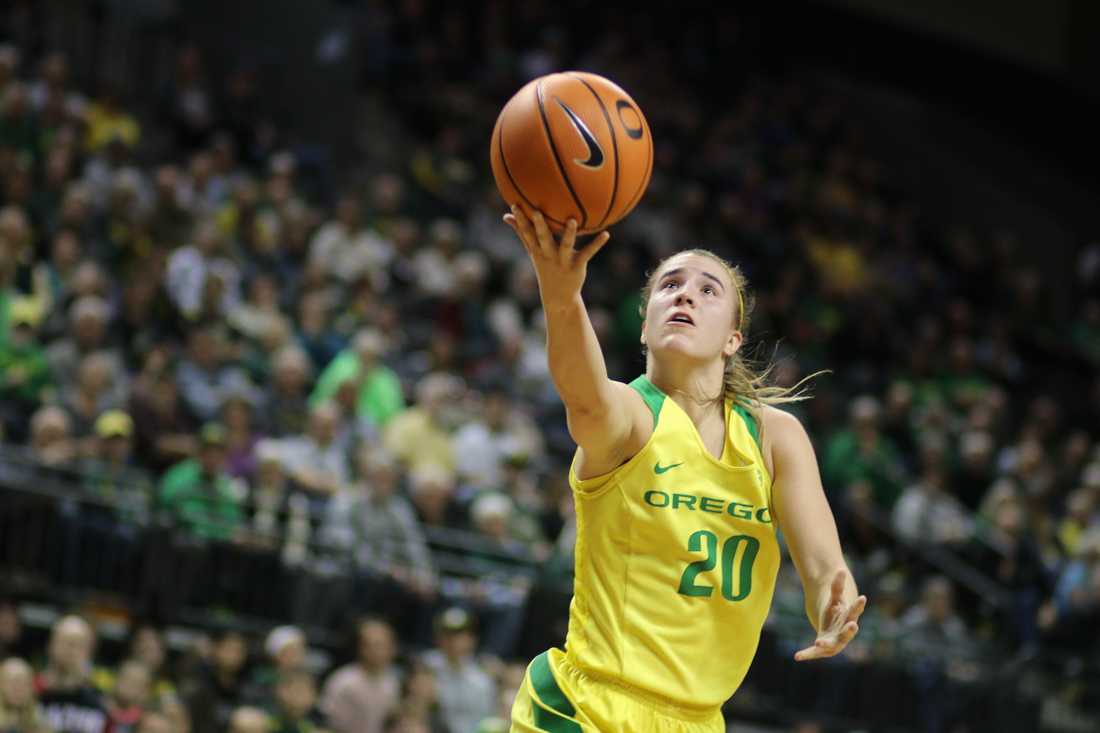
(833, 603)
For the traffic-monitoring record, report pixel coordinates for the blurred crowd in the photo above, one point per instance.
(229, 682)
(193, 335)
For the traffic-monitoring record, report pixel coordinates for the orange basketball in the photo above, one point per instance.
(572, 145)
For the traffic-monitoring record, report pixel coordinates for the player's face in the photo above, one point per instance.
(691, 310)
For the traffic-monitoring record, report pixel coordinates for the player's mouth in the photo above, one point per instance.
(680, 318)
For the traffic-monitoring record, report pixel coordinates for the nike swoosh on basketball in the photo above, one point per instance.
(658, 468)
(595, 152)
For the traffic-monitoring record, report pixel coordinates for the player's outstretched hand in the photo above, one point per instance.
(560, 266)
(838, 624)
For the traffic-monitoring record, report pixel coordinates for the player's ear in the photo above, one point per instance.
(733, 343)
(642, 337)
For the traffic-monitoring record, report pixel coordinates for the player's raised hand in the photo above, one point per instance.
(560, 266)
(838, 623)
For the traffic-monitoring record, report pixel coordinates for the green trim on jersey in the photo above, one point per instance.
(750, 422)
(548, 693)
(653, 397)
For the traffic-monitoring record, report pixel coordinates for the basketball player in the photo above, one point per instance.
(681, 480)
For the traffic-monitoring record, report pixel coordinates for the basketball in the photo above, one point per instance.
(572, 145)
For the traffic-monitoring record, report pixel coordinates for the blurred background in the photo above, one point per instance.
(280, 451)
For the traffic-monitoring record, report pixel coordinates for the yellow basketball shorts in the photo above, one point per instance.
(556, 697)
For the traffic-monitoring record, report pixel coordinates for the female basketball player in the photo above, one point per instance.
(681, 479)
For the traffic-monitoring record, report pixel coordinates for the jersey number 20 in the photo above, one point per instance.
(696, 542)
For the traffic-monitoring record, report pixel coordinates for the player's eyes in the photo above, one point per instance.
(708, 290)
(668, 283)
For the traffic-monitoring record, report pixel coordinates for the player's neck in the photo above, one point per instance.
(695, 387)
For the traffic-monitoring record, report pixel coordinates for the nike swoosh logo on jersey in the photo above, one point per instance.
(595, 153)
(658, 468)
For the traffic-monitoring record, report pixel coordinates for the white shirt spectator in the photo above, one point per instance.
(346, 255)
(188, 270)
(929, 514)
(466, 693)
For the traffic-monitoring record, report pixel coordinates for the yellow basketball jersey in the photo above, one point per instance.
(676, 560)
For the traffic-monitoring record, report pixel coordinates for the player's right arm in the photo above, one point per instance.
(607, 419)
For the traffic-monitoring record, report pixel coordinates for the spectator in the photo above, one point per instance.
(926, 512)
(1009, 555)
(200, 494)
(19, 711)
(295, 696)
(359, 696)
(194, 268)
(110, 474)
(285, 647)
(190, 101)
(976, 470)
(237, 411)
(130, 697)
(432, 490)
(404, 721)
(378, 388)
(204, 376)
(155, 722)
(269, 493)
(179, 719)
(51, 440)
(380, 528)
(68, 701)
(92, 394)
(466, 691)
(25, 379)
(420, 709)
(499, 433)
(418, 435)
(106, 120)
(216, 687)
(53, 82)
(862, 453)
(317, 333)
(147, 646)
(13, 638)
(1080, 506)
(502, 596)
(346, 249)
(249, 720)
(88, 319)
(316, 461)
(286, 408)
(933, 628)
(164, 431)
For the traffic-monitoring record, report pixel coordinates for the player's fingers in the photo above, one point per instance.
(857, 609)
(566, 253)
(545, 236)
(589, 250)
(514, 225)
(810, 652)
(523, 228)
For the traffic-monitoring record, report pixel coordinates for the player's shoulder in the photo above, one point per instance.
(781, 431)
(779, 420)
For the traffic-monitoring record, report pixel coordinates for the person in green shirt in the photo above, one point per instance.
(200, 494)
(863, 453)
(25, 379)
(378, 387)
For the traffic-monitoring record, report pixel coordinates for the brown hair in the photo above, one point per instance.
(744, 383)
